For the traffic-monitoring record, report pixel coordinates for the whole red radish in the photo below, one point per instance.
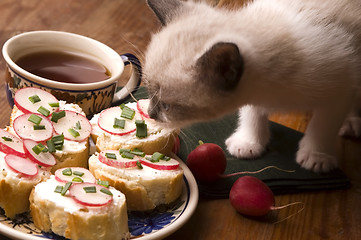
(207, 162)
(252, 197)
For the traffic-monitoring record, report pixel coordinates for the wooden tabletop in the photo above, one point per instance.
(126, 26)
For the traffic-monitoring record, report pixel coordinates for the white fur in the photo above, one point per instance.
(298, 54)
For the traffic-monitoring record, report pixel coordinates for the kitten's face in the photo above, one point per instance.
(180, 103)
(189, 79)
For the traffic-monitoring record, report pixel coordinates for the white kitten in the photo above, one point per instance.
(271, 55)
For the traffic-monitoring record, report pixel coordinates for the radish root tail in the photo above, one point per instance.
(288, 205)
(258, 171)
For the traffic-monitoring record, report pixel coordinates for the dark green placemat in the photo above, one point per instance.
(281, 153)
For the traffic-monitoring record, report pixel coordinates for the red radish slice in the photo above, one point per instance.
(21, 165)
(106, 121)
(64, 175)
(22, 102)
(171, 164)
(97, 199)
(142, 106)
(44, 159)
(25, 129)
(10, 144)
(119, 162)
(75, 121)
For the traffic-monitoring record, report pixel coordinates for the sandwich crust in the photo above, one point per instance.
(91, 223)
(144, 188)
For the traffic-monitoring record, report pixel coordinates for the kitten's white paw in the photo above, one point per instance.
(351, 127)
(241, 148)
(316, 161)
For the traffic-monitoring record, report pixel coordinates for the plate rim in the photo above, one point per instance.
(188, 211)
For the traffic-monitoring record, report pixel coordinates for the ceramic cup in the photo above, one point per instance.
(91, 97)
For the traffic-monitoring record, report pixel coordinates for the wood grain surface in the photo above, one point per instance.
(126, 26)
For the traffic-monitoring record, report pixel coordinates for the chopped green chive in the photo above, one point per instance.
(141, 131)
(139, 165)
(119, 123)
(37, 149)
(77, 125)
(127, 155)
(58, 141)
(77, 179)
(55, 143)
(106, 191)
(138, 153)
(39, 127)
(157, 156)
(54, 104)
(35, 119)
(139, 122)
(111, 155)
(34, 99)
(73, 132)
(44, 111)
(67, 172)
(51, 146)
(58, 189)
(103, 183)
(57, 115)
(78, 173)
(65, 188)
(123, 150)
(127, 113)
(166, 158)
(7, 139)
(90, 189)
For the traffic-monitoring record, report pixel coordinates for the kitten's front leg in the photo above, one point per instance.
(252, 135)
(352, 125)
(318, 146)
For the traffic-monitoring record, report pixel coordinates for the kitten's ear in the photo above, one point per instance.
(165, 10)
(221, 66)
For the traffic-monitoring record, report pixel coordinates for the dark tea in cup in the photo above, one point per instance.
(64, 66)
(74, 68)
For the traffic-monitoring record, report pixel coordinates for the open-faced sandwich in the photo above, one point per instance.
(44, 134)
(20, 172)
(73, 205)
(129, 126)
(147, 181)
(59, 126)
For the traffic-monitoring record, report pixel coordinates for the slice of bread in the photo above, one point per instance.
(52, 212)
(144, 188)
(158, 139)
(73, 154)
(15, 189)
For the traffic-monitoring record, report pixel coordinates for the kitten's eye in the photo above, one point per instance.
(165, 106)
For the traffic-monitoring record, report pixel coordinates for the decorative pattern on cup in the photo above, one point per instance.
(91, 102)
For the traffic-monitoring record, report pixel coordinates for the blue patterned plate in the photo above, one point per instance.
(142, 226)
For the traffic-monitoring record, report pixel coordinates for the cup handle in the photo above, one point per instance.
(135, 78)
